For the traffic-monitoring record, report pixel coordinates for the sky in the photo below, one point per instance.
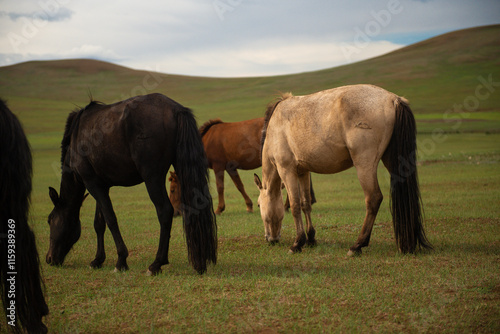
(228, 38)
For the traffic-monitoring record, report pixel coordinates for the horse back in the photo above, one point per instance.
(322, 132)
(237, 143)
(118, 140)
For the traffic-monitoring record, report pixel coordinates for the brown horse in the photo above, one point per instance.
(175, 193)
(229, 147)
(124, 144)
(331, 131)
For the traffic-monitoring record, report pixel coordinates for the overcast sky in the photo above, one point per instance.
(228, 38)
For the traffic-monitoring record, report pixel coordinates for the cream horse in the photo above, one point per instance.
(328, 132)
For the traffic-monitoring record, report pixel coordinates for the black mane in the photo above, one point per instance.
(72, 124)
(207, 125)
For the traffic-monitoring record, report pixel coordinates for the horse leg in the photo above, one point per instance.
(313, 195)
(373, 198)
(239, 185)
(102, 197)
(219, 180)
(165, 212)
(305, 204)
(292, 188)
(100, 228)
(287, 203)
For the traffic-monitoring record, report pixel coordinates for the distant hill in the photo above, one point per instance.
(434, 75)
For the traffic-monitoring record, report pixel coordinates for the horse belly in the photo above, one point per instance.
(117, 170)
(319, 147)
(245, 159)
(324, 159)
(241, 152)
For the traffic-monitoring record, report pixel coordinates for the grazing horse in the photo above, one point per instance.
(328, 132)
(21, 282)
(124, 144)
(229, 147)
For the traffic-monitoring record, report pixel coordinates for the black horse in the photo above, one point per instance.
(21, 284)
(124, 144)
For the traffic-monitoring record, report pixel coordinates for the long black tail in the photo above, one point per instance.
(191, 166)
(21, 283)
(406, 203)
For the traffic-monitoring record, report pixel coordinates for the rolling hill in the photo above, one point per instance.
(434, 75)
(262, 289)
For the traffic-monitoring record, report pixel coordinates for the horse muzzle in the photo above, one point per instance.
(53, 260)
(272, 240)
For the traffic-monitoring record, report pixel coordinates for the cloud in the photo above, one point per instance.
(251, 38)
(44, 14)
(260, 58)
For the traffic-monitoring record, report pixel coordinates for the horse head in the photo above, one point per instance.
(272, 210)
(175, 193)
(65, 228)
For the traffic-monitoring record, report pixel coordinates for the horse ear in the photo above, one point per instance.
(257, 181)
(53, 195)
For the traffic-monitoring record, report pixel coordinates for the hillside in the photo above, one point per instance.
(434, 75)
(260, 288)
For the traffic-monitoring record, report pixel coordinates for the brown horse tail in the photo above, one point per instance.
(191, 166)
(406, 203)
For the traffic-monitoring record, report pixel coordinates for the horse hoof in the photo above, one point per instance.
(351, 253)
(151, 273)
(95, 265)
(312, 243)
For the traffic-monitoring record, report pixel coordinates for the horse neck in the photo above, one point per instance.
(270, 178)
(72, 190)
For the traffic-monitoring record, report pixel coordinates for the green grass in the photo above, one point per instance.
(260, 288)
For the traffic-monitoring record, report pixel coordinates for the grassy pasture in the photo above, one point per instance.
(260, 288)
